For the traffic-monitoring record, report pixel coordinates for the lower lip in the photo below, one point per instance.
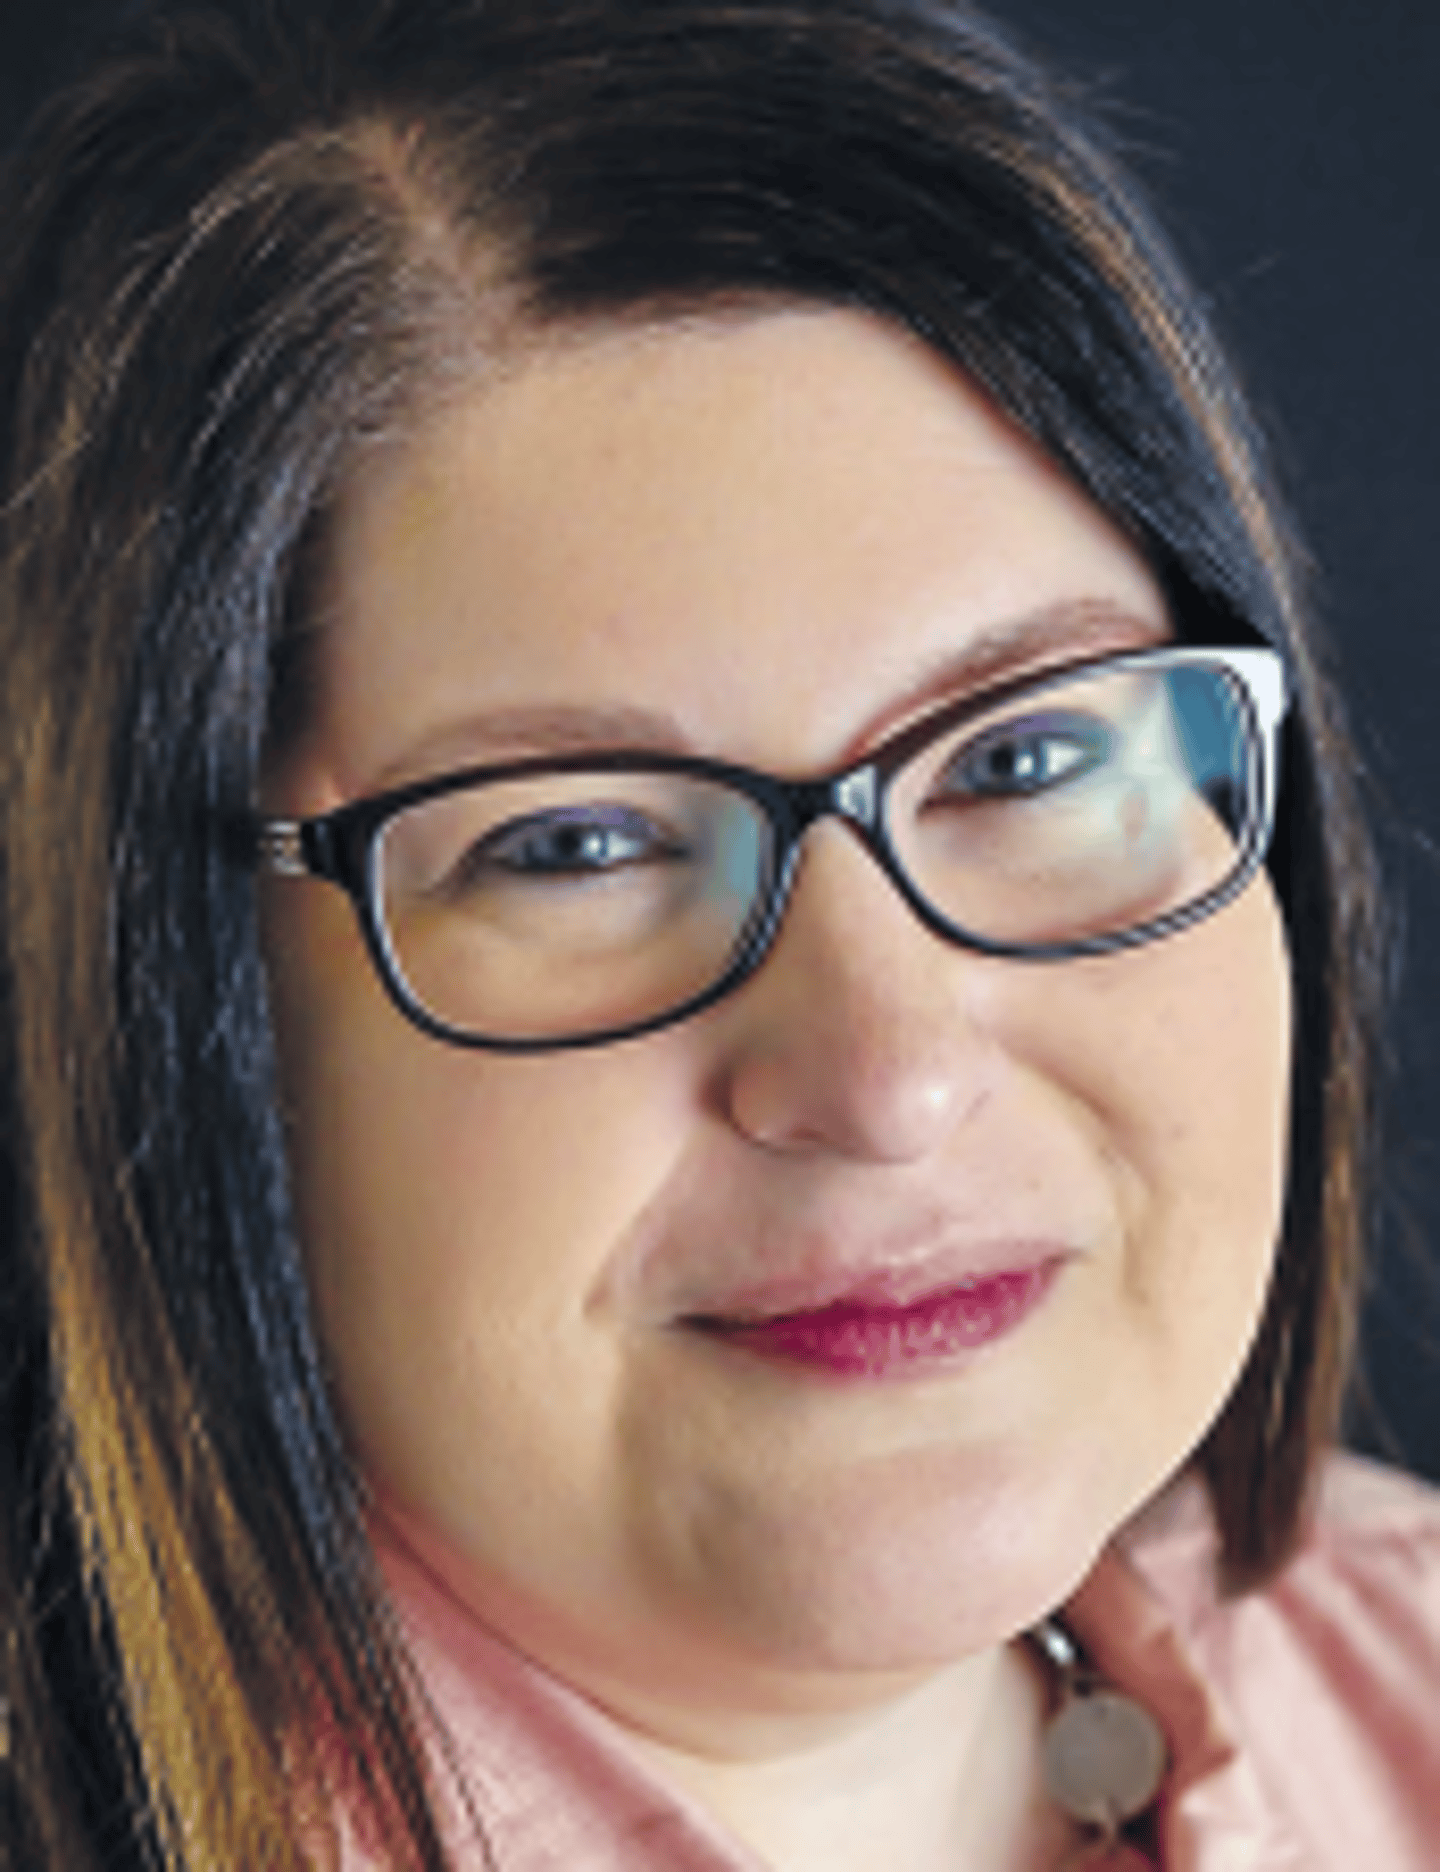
(863, 1340)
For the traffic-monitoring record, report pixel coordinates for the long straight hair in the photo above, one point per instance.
(247, 248)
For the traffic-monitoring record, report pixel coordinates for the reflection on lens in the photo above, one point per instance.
(1084, 808)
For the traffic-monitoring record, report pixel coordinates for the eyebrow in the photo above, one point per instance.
(1048, 638)
(546, 728)
(1067, 632)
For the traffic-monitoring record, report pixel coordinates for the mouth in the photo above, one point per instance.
(866, 1334)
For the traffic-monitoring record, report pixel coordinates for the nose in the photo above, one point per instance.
(862, 1033)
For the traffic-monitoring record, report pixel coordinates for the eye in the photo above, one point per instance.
(1019, 759)
(570, 842)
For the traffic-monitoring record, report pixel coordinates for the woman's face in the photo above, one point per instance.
(768, 539)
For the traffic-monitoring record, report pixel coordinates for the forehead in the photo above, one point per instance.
(761, 534)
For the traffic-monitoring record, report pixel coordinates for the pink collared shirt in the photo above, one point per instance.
(1303, 1721)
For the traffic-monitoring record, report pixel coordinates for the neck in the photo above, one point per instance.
(942, 1778)
(938, 1771)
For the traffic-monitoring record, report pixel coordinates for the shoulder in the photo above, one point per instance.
(1329, 1677)
(1362, 1513)
(1371, 1546)
(1375, 1542)
(1364, 1504)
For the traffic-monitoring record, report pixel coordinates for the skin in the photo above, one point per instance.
(778, 532)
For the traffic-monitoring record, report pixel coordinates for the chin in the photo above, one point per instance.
(906, 1567)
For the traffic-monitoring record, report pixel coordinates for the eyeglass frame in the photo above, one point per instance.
(341, 846)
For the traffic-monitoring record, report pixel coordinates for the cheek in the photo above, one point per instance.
(1210, 1069)
(1182, 1054)
(457, 1209)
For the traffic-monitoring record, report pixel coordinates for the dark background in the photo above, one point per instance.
(1292, 144)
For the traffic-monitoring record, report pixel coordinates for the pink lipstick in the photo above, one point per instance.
(858, 1336)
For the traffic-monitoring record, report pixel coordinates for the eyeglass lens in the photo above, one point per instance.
(561, 904)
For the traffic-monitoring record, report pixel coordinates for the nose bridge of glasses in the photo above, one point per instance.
(856, 798)
(853, 796)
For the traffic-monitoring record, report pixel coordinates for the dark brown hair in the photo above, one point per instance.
(248, 246)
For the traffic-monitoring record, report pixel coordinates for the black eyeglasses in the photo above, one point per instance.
(588, 898)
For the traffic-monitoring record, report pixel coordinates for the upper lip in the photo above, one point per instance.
(865, 1282)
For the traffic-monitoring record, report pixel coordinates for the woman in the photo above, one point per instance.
(774, 1269)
